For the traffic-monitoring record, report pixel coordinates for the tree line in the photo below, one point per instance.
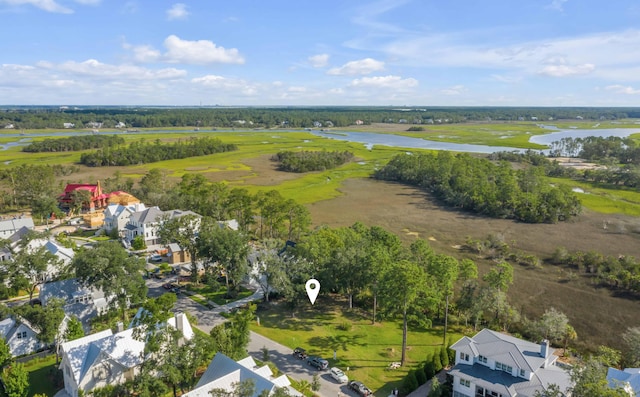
(595, 148)
(306, 161)
(70, 144)
(142, 152)
(158, 117)
(478, 185)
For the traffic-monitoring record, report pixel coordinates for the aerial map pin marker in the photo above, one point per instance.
(313, 289)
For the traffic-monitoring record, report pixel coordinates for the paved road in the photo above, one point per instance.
(283, 358)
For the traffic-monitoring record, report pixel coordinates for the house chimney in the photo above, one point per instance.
(119, 327)
(544, 348)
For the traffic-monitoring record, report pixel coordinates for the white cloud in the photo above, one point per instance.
(362, 66)
(198, 52)
(396, 82)
(45, 5)
(177, 12)
(567, 70)
(143, 53)
(319, 61)
(620, 89)
(556, 5)
(96, 69)
(226, 84)
(506, 79)
(455, 90)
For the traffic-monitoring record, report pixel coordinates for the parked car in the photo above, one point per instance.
(155, 258)
(300, 353)
(318, 362)
(337, 374)
(360, 388)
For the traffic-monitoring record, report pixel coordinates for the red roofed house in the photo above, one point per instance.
(98, 199)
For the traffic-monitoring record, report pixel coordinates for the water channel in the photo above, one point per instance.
(369, 139)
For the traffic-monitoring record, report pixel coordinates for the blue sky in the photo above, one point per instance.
(329, 52)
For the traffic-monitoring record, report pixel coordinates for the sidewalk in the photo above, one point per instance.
(423, 391)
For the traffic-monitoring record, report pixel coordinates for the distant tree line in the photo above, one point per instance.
(306, 161)
(478, 185)
(74, 143)
(160, 117)
(142, 152)
(595, 148)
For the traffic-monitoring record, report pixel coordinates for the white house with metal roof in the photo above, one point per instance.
(225, 373)
(147, 222)
(10, 226)
(498, 365)
(20, 335)
(117, 216)
(106, 358)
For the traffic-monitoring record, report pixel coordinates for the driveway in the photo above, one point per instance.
(297, 369)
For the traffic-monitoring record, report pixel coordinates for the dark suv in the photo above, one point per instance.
(300, 353)
(360, 388)
(318, 362)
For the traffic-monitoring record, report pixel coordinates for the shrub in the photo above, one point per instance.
(437, 363)
(421, 377)
(410, 382)
(138, 243)
(444, 356)
(429, 369)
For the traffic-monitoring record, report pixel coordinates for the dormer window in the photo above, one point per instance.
(504, 367)
(522, 372)
(464, 357)
(482, 359)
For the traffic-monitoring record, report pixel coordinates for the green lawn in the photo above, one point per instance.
(218, 295)
(43, 376)
(364, 348)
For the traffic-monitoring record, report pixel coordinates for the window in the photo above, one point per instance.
(482, 359)
(465, 382)
(504, 367)
(464, 357)
(22, 335)
(522, 373)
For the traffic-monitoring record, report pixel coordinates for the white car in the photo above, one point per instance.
(337, 374)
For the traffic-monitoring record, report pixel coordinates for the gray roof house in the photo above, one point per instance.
(224, 372)
(106, 358)
(81, 302)
(629, 380)
(498, 365)
(10, 226)
(117, 216)
(145, 223)
(20, 335)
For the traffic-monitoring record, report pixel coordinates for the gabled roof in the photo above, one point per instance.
(64, 254)
(16, 224)
(503, 348)
(150, 215)
(9, 325)
(19, 234)
(80, 186)
(223, 372)
(627, 379)
(66, 290)
(80, 353)
(508, 385)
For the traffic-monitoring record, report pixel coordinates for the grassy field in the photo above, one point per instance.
(364, 348)
(345, 195)
(42, 376)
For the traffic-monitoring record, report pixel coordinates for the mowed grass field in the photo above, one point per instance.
(364, 348)
(345, 195)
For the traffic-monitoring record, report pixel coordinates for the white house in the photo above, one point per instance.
(120, 124)
(10, 226)
(146, 223)
(106, 358)
(498, 365)
(223, 373)
(81, 302)
(117, 216)
(20, 335)
(629, 380)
